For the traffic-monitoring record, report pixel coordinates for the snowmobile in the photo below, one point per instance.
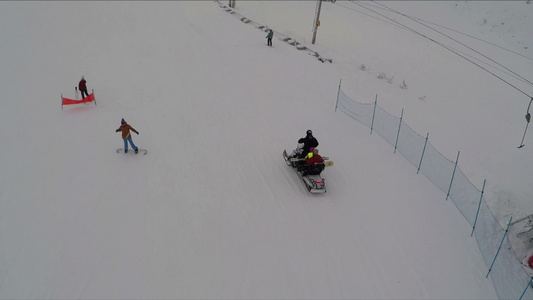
(309, 174)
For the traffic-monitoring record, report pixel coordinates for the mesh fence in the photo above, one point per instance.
(411, 145)
(510, 279)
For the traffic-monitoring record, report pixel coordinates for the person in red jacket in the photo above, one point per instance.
(126, 135)
(313, 157)
(82, 86)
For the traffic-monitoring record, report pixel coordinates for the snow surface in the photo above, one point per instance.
(212, 211)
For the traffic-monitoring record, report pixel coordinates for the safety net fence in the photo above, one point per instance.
(509, 278)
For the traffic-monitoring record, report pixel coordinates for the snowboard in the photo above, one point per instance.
(327, 162)
(131, 151)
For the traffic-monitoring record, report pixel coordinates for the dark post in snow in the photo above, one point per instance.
(528, 118)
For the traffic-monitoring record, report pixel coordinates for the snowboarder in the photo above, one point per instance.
(269, 38)
(82, 86)
(126, 135)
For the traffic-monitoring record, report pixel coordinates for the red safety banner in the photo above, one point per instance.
(67, 101)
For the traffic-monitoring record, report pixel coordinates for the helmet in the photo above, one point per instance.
(309, 132)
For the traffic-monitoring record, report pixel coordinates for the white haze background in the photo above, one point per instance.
(212, 211)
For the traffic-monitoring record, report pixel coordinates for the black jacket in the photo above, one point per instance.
(309, 142)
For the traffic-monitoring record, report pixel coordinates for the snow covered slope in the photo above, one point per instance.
(212, 211)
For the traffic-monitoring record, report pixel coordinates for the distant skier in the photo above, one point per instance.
(126, 135)
(82, 86)
(269, 37)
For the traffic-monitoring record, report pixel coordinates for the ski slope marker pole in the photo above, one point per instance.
(478, 207)
(423, 151)
(453, 175)
(398, 135)
(338, 92)
(525, 290)
(499, 248)
(374, 114)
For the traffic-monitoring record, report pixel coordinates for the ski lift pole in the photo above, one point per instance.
(528, 118)
(338, 92)
(317, 20)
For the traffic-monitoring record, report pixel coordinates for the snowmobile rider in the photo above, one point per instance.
(313, 157)
(309, 142)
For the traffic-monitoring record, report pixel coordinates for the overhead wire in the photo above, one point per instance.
(464, 53)
(402, 14)
(447, 47)
(473, 37)
(453, 30)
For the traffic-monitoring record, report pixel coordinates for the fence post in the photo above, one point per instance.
(398, 134)
(528, 284)
(374, 114)
(423, 151)
(478, 206)
(338, 92)
(501, 243)
(453, 175)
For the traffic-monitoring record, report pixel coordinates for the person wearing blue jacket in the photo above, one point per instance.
(269, 37)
